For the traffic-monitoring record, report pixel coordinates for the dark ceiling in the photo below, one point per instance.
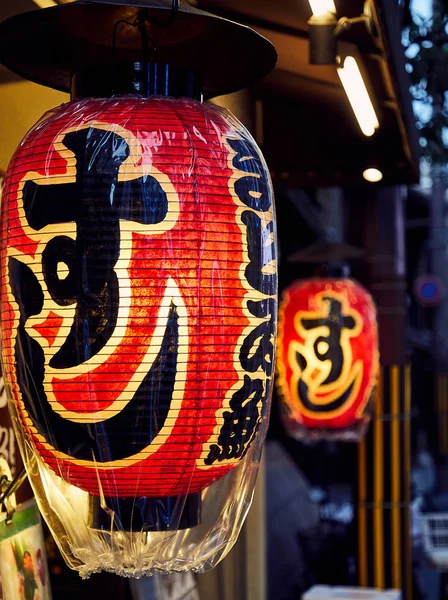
(310, 136)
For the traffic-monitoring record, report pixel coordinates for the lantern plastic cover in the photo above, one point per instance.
(138, 328)
(327, 359)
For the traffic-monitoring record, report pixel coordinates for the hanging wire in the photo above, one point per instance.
(172, 16)
(140, 22)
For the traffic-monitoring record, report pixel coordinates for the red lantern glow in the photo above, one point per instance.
(327, 360)
(138, 294)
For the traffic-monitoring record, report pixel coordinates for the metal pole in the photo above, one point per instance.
(383, 482)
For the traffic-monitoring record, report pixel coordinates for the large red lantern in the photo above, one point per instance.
(138, 286)
(328, 359)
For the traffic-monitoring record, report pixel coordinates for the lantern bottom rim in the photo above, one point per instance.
(144, 514)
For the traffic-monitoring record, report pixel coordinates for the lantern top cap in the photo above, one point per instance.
(47, 46)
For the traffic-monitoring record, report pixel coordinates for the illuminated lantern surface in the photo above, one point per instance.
(139, 294)
(327, 359)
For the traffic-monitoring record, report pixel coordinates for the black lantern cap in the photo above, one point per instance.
(143, 79)
(49, 45)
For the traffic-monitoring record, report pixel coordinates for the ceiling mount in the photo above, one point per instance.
(326, 27)
(366, 18)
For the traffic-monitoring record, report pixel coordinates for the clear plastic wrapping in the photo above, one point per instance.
(139, 283)
(327, 359)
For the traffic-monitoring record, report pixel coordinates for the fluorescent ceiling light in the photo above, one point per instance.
(359, 98)
(322, 7)
(373, 175)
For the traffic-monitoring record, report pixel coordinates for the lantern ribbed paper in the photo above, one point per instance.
(328, 358)
(139, 307)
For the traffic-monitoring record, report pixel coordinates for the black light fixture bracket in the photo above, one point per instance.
(326, 28)
(344, 23)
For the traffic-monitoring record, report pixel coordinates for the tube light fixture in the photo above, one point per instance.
(357, 93)
(322, 7)
(372, 175)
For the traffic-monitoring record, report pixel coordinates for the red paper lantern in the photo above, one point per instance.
(138, 295)
(327, 360)
(138, 283)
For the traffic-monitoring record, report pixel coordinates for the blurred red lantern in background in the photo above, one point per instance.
(327, 359)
